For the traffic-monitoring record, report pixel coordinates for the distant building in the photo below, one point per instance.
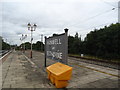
(119, 11)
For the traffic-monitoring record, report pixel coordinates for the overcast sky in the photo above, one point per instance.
(52, 16)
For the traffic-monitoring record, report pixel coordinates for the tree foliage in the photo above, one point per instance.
(39, 46)
(5, 46)
(103, 43)
(74, 44)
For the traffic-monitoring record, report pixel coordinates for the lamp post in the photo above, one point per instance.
(31, 28)
(23, 47)
(21, 44)
(24, 36)
(41, 42)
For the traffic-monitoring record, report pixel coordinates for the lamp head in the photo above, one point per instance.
(66, 30)
(29, 25)
(34, 26)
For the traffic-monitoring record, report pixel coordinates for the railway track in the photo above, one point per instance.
(97, 62)
(77, 62)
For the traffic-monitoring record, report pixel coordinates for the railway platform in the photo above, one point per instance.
(19, 71)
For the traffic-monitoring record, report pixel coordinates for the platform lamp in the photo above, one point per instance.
(31, 28)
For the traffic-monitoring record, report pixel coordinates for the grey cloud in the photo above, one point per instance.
(53, 16)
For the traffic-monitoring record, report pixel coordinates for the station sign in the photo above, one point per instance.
(56, 48)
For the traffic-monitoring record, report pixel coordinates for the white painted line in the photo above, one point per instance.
(29, 60)
(42, 53)
(5, 55)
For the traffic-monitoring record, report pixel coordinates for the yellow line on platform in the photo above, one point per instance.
(96, 70)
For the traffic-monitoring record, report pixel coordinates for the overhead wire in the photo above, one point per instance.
(108, 3)
(95, 27)
(85, 20)
(92, 17)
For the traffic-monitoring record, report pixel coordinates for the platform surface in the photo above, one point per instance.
(18, 71)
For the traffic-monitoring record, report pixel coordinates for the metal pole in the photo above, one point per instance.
(31, 45)
(31, 28)
(6, 40)
(66, 45)
(21, 46)
(10, 45)
(24, 46)
(41, 42)
(45, 51)
(119, 13)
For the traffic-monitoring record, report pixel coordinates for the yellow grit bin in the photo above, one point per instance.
(59, 74)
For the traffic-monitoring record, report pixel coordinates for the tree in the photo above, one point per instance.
(74, 44)
(104, 42)
(38, 46)
(4, 46)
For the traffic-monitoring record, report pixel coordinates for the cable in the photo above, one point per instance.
(85, 33)
(108, 3)
(92, 17)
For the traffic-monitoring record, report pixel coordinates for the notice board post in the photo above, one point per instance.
(56, 47)
(45, 51)
(66, 45)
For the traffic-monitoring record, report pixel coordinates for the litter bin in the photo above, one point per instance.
(59, 74)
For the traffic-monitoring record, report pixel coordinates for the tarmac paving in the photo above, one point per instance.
(19, 71)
